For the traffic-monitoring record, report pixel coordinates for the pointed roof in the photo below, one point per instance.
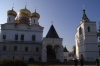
(52, 33)
(84, 17)
(65, 49)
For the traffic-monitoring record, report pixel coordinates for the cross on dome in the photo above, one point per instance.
(13, 6)
(25, 5)
(35, 8)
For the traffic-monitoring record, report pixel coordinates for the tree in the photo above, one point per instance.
(74, 49)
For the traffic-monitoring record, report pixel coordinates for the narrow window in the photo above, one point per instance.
(34, 20)
(4, 48)
(37, 49)
(26, 48)
(16, 37)
(99, 38)
(80, 30)
(9, 18)
(4, 37)
(88, 28)
(39, 58)
(33, 37)
(15, 48)
(22, 37)
(13, 57)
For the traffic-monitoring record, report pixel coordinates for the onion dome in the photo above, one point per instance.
(35, 14)
(24, 12)
(11, 12)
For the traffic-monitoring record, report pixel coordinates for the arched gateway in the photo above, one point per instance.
(31, 60)
(50, 53)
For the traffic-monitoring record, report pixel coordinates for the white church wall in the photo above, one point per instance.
(88, 48)
(69, 56)
(10, 35)
(91, 39)
(31, 53)
(36, 20)
(90, 56)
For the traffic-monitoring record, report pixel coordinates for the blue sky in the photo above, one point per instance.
(65, 14)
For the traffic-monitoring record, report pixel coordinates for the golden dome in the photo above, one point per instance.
(11, 12)
(35, 14)
(24, 11)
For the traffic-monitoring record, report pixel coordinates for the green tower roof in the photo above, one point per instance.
(65, 49)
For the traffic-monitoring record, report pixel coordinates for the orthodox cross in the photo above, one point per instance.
(83, 6)
(52, 22)
(25, 5)
(13, 6)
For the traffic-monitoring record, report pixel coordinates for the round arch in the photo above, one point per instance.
(31, 60)
(50, 53)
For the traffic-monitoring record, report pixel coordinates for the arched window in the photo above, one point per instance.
(26, 48)
(33, 37)
(15, 48)
(4, 37)
(80, 30)
(34, 20)
(22, 37)
(88, 28)
(37, 49)
(16, 37)
(4, 48)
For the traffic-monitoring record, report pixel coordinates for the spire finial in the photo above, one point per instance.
(83, 7)
(25, 4)
(52, 22)
(35, 8)
(83, 10)
(13, 6)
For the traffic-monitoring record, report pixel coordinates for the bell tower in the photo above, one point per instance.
(86, 39)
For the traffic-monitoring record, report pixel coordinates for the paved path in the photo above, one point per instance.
(60, 65)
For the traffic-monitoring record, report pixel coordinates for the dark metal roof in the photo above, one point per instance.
(52, 33)
(85, 16)
(65, 49)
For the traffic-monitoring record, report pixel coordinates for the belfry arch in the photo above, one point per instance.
(50, 53)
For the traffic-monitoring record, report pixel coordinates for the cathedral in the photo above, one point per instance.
(21, 37)
(86, 39)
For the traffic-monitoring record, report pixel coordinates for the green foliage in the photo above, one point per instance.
(74, 49)
(13, 62)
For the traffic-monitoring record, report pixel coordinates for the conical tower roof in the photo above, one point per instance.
(65, 49)
(84, 17)
(52, 33)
